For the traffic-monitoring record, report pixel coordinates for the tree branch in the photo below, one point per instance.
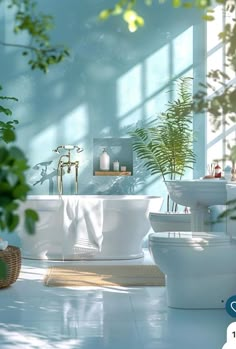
(29, 47)
(18, 45)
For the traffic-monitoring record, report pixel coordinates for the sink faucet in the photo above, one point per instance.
(68, 164)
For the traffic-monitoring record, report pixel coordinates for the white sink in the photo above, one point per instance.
(195, 192)
(198, 194)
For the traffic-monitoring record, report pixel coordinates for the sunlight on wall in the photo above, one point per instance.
(43, 144)
(146, 86)
(157, 104)
(183, 51)
(129, 90)
(74, 127)
(156, 69)
(144, 91)
(131, 118)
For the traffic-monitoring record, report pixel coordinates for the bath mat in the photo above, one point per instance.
(104, 275)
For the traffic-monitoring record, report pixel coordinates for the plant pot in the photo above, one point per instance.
(12, 257)
(162, 222)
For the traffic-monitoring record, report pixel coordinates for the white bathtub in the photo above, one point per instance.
(125, 223)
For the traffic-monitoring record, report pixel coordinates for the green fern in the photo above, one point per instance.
(166, 146)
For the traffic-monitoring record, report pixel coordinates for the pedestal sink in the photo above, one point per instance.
(198, 194)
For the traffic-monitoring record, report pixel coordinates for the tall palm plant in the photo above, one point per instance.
(165, 145)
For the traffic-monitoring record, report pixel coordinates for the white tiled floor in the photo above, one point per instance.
(35, 316)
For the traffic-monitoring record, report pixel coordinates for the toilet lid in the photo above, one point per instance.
(189, 238)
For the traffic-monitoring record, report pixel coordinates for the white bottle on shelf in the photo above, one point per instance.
(104, 161)
(116, 165)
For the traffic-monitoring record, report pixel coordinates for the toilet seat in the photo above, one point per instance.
(189, 239)
(200, 268)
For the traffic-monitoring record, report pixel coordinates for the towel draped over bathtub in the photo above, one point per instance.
(83, 223)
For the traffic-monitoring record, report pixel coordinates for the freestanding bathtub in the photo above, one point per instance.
(125, 223)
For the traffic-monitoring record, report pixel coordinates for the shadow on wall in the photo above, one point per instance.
(43, 179)
(43, 174)
(112, 80)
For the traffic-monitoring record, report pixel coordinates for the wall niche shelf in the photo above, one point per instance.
(112, 173)
(120, 149)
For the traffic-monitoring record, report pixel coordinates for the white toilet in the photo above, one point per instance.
(200, 268)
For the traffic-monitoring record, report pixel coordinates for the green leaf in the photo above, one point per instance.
(32, 214)
(176, 3)
(187, 5)
(9, 98)
(6, 111)
(12, 220)
(3, 154)
(12, 206)
(103, 15)
(17, 153)
(130, 16)
(117, 10)
(31, 217)
(139, 21)
(12, 179)
(208, 17)
(203, 3)
(5, 188)
(8, 136)
(20, 191)
(5, 201)
(20, 166)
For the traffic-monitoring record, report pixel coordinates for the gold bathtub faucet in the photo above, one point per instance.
(67, 164)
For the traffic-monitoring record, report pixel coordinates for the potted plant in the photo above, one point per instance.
(166, 148)
(13, 190)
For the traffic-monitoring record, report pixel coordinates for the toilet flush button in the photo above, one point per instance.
(231, 337)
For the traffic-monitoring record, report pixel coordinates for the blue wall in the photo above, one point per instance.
(112, 81)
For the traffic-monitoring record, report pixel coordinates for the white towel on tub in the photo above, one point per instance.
(83, 224)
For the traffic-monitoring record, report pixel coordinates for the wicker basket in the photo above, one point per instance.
(12, 257)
